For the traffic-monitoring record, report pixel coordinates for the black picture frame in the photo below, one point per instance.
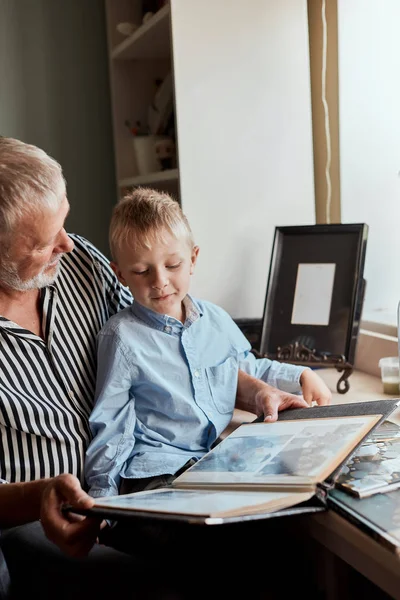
(331, 256)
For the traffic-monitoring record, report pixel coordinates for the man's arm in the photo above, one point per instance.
(25, 502)
(20, 502)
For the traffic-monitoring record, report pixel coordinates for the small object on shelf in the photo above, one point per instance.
(145, 153)
(152, 6)
(126, 28)
(147, 16)
(160, 109)
(165, 153)
(136, 130)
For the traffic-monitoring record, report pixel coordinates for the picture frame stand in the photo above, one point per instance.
(299, 354)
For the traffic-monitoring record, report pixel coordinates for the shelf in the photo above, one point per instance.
(150, 178)
(151, 40)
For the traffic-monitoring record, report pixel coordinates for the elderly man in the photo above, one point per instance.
(56, 292)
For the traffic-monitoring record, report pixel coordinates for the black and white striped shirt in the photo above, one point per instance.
(47, 387)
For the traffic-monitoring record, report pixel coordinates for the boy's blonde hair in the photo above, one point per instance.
(140, 217)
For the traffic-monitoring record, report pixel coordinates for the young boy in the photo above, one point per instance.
(168, 365)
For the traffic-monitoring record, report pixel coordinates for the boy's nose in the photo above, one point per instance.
(159, 287)
(160, 280)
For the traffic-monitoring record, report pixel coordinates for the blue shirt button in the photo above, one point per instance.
(167, 329)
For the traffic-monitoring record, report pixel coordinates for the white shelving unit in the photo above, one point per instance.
(151, 40)
(136, 63)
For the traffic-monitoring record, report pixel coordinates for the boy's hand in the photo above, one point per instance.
(314, 388)
(256, 396)
(269, 401)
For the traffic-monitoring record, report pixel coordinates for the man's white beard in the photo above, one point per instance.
(9, 278)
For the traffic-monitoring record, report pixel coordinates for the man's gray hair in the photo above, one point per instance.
(30, 180)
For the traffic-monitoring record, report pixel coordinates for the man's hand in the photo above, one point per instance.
(74, 535)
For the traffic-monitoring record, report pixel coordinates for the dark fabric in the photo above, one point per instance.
(39, 569)
(4, 578)
(258, 560)
(129, 486)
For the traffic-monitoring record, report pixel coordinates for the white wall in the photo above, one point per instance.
(369, 100)
(242, 89)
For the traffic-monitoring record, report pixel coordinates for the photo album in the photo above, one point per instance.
(261, 469)
(377, 515)
(375, 466)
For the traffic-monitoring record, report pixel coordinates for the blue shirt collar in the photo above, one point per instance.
(192, 309)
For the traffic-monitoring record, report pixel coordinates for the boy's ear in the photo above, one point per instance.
(195, 253)
(118, 273)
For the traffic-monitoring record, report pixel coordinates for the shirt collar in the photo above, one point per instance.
(158, 320)
(192, 310)
(43, 294)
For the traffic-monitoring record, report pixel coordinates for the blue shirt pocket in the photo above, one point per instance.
(222, 382)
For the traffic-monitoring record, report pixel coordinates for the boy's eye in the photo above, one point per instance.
(174, 266)
(141, 272)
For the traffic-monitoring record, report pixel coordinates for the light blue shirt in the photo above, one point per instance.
(165, 390)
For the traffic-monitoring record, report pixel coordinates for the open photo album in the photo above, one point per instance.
(260, 469)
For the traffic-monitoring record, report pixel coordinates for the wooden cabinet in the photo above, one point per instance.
(139, 63)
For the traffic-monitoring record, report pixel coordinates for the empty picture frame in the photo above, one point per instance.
(314, 295)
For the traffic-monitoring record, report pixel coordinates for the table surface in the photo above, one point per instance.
(363, 388)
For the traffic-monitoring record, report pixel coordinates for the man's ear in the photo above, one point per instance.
(195, 253)
(118, 273)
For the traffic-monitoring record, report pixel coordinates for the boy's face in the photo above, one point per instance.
(158, 277)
